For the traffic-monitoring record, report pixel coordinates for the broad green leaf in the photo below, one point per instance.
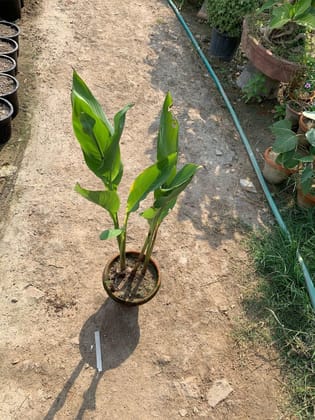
(301, 7)
(80, 90)
(268, 5)
(307, 159)
(164, 197)
(307, 20)
(280, 16)
(109, 200)
(286, 140)
(310, 135)
(281, 124)
(168, 132)
(288, 159)
(307, 179)
(149, 180)
(149, 213)
(110, 233)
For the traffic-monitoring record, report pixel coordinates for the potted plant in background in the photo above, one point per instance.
(278, 36)
(129, 277)
(225, 17)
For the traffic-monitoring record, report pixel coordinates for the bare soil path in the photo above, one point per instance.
(164, 359)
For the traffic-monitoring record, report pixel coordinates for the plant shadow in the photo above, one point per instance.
(119, 333)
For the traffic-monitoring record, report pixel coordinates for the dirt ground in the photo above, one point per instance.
(174, 357)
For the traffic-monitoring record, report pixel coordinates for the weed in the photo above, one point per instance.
(282, 302)
(255, 89)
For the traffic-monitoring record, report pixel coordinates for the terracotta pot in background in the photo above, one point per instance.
(272, 66)
(272, 171)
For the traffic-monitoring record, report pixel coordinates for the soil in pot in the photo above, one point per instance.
(7, 65)
(8, 90)
(9, 47)
(6, 112)
(125, 288)
(9, 30)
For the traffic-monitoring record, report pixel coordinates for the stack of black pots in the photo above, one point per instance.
(10, 11)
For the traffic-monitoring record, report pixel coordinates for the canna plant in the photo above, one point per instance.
(99, 141)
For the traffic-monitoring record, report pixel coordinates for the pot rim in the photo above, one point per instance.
(16, 27)
(138, 302)
(15, 81)
(11, 41)
(10, 59)
(10, 106)
(275, 165)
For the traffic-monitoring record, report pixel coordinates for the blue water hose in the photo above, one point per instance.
(308, 280)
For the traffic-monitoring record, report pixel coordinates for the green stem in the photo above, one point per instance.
(122, 245)
(150, 247)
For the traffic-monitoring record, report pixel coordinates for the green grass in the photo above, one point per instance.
(282, 303)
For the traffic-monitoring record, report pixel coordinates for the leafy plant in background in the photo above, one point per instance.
(226, 16)
(255, 89)
(99, 141)
(290, 156)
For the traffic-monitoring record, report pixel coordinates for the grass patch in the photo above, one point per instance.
(282, 302)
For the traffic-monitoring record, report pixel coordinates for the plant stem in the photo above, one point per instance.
(150, 248)
(122, 244)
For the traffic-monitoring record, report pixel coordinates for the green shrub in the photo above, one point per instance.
(226, 16)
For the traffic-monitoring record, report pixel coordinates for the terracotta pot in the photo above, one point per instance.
(293, 112)
(305, 201)
(264, 60)
(272, 171)
(6, 112)
(305, 124)
(120, 293)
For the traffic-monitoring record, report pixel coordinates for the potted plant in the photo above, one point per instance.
(225, 17)
(277, 36)
(296, 158)
(130, 277)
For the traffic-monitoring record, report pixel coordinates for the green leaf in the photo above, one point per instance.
(109, 200)
(288, 159)
(280, 16)
(183, 177)
(310, 136)
(281, 124)
(301, 7)
(307, 179)
(286, 140)
(99, 141)
(80, 90)
(110, 233)
(267, 5)
(307, 20)
(168, 132)
(150, 179)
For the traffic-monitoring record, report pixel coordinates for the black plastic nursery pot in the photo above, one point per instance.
(9, 30)
(10, 9)
(7, 65)
(9, 90)
(6, 112)
(9, 47)
(223, 46)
